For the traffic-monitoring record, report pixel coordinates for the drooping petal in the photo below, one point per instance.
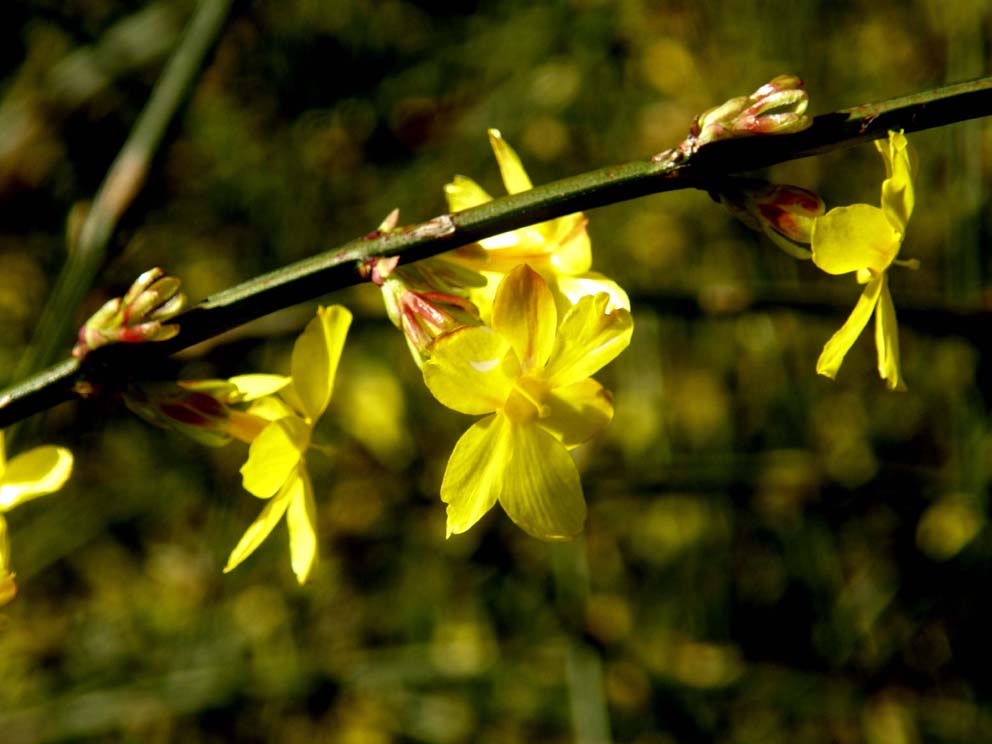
(34, 473)
(515, 178)
(592, 283)
(524, 313)
(253, 387)
(259, 530)
(474, 476)
(837, 347)
(301, 518)
(541, 489)
(273, 454)
(897, 188)
(464, 193)
(315, 358)
(471, 369)
(887, 339)
(578, 412)
(588, 339)
(846, 239)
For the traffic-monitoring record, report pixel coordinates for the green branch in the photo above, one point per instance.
(339, 267)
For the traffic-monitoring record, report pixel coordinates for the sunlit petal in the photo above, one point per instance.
(541, 489)
(474, 476)
(471, 369)
(837, 347)
(577, 412)
(259, 530)
(588, 339)
(592, 283)
(897, 188)
(850, 238)
(514, 176)
(301, 518)
(315, 358)
(272, 456)
(464, 193)
(887, 339)
(524, 313)
(572, 250)
(252, 387)
(270, 409)
(34, 473)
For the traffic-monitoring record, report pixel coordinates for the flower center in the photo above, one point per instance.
(527, 400)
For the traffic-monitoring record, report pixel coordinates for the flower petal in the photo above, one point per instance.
(8, 587)
(850, 238)
(897, 188)
(524, 313)
(592, 283)
(571, 248)
(471, 369)
(474, 475)
(34, 473)
(272, 456)
(837, 347)
(252, 387)
(259, 530)
(588, 339)
(578, 412)
(541, 489)
(301, 518)
(464, 193)
(887, 339)
(514, 176)
(315, 358)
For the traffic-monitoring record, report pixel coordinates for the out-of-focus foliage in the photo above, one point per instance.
(768, 556)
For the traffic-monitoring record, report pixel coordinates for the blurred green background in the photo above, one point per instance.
(769, 556)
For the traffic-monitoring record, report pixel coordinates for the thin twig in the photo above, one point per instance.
(121, 184)
(339, 267)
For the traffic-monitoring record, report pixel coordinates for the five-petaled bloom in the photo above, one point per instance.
(867, 239)
(276, 465)
(31, 474)
(532, 376)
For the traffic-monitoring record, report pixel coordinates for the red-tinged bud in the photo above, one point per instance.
(199, 415)
(137, 317)
(778, 107)
(784, 213)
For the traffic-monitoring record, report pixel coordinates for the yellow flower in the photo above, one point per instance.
(867, 239)
(276, 465)
(532, 376)
(31, 474)
(558, 249)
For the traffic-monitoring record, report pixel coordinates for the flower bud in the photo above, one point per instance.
(778, 107)
(137, 317)
(784, 213)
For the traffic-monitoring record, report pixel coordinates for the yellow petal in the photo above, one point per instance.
(301, 518)
(34, 473)
(588, 339)
(315, 358)
(541, 489)
(887, 339)
(524, 313)
(259, 530)
(8, 588)
(837, 347)
(571, 249)
(3, 455)
(897, 188)
(270, 409)
(474, 475)
(464, 193)
(471, 369)
(592, 283)
(850, 238)
(514, 176)
(252, 387)
(577, 412)
(272, 456)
